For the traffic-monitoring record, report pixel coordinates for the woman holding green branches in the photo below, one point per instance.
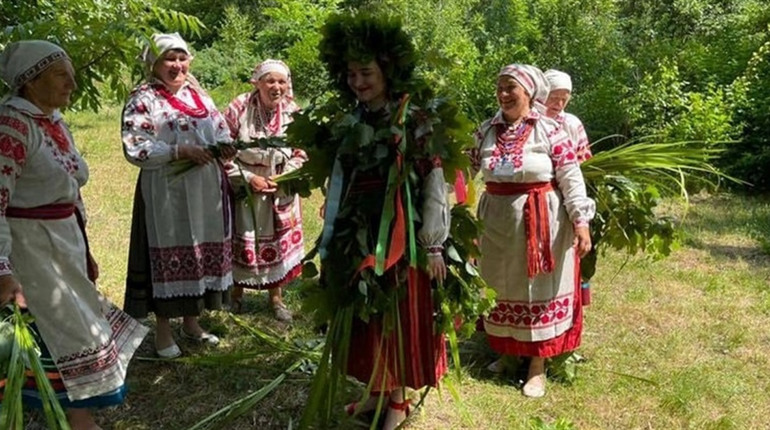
(536, 218)
(387, 213)
(180, 257)
(45, 262)
(266, 256)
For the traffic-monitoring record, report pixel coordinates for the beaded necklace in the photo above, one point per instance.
(509, 146)
(197, 111)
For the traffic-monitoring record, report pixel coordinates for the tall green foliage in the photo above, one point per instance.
(749, 158)
(230, 58)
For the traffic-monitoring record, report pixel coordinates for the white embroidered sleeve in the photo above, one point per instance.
(580, 208)
(141, 146)
(13, 155)
(435, 212)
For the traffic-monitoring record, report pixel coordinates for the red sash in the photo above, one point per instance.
(54, 211)
(536, 224)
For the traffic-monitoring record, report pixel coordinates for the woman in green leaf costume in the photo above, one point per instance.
(386, 218)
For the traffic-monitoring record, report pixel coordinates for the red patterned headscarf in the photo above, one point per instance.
(530, 78)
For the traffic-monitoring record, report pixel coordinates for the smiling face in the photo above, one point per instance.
(512, 98)
(368, 83)
(556, 102)
(171, 68)
(53, 88)
(272, 88)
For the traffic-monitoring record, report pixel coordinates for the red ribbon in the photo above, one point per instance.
(536, 224)
(397, 237)
(460, 193)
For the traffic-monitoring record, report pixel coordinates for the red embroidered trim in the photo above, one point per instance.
(88, 362)
(56, 132)
(526, 315)
(15, 124)
(191, 263)
(199, 111)
(269, 252)
(563, 154)
(13, 148)
(4, 197)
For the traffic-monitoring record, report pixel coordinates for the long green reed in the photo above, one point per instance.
(25, 354)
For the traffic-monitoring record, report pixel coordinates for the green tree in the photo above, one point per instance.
(103, 37)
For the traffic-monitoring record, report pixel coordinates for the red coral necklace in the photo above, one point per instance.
(197, 111)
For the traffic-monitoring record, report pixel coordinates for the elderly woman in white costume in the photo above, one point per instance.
(266, 256)
(44, 256)
(180, 259)
(536, 214)
(560, 86)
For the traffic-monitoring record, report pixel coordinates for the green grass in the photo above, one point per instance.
(695, 326)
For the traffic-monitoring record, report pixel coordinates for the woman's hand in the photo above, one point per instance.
(582, 240)
(197, 154)
(10, 290)
(261, 184)
(92, 268)
(437, 267)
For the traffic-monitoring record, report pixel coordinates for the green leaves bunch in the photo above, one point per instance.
(102, 37)
(363, 38)
(19, 351)
(628, 182)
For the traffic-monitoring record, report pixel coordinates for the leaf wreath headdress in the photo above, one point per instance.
(364, 37)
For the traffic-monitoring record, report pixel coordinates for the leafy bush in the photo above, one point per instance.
(748, 159)
(231, 57)
(102, 37)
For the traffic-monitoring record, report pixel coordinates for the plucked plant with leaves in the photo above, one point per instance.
(627, 183)
(18, 352)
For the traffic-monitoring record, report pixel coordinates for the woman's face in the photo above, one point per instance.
(171, 68)
(556, 102)
(272, 88)
(512, 97)
(368, 83)
(52, 89)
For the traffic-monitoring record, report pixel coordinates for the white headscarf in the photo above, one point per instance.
(558, 80)
(163, 43)
(22, 61)
(530, 78)
(269, 66)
